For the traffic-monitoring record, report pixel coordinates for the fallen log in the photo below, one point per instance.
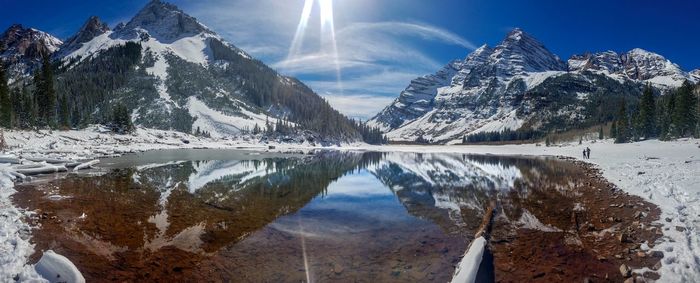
(11, 160)
(86, 165)
(17, 175)
(46, 169)
(28, 166)
(48, 160)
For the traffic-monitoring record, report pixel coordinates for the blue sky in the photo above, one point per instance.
(383, 44)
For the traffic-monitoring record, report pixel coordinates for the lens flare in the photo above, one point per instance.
(301, 30)
(328, 36)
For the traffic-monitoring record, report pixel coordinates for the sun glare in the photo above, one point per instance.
(329, 44)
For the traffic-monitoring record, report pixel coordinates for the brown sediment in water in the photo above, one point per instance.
(595, 240)
(130, 235)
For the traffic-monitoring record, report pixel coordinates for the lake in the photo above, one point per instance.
(234, 216)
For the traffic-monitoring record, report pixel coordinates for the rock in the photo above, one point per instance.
(337, 268)
(625, 270)
(623, 238)
(641, 254)
(680, 228)
(668, 219)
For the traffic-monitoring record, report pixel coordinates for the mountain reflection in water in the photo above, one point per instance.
(331, 216)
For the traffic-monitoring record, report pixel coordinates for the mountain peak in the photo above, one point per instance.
(515, 34)
(92, 28)
(164, 21)
(520, 52)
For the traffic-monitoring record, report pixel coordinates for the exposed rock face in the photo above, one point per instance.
(21, 49)
(92, 28)
(164, 21)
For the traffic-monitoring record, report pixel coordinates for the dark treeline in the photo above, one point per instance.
(667, 117)
(505, 135)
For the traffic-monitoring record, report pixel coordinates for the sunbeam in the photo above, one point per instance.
(301, 29)
(328, 36)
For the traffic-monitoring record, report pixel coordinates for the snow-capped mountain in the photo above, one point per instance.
(22, 49)
(521, 84)
(478, 93)
(173, 72)
(637, 64)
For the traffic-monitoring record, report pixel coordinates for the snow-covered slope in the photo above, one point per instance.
(695, 74)
(21, 49)
(520, 84)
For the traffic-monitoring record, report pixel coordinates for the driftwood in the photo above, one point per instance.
(11, 160)
(86, 165)
(49, 160)
(46, 169)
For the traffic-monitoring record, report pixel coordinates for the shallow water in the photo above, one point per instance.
(236, 216)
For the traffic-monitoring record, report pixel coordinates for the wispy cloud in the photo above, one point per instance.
(376, 59)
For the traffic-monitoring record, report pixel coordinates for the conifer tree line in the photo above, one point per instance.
(44, 104)
(667, 117)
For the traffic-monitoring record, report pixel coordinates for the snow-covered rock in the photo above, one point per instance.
(637, 64)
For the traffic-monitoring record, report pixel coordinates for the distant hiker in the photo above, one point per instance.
(588, 153)
(584, 153)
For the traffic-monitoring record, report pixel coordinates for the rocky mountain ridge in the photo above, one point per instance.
(520, 84)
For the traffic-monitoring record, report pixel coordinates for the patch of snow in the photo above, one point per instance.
(468, 267)
(529, 221)
(57, 268)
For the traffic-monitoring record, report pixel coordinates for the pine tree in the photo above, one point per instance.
(684, 111)
(623, 126)
(647, 114)
(45, 94)
(666, 127)
(64, 120)
(28, 110)
(121, 120)
(5, 103)
(17, 104)
(601, 134)
(613, 130)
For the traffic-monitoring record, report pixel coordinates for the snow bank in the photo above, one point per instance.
(469, 265)
(57, 268)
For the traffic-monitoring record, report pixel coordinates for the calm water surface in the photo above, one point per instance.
(231, 216)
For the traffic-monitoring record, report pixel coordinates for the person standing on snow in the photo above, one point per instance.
(588, 153)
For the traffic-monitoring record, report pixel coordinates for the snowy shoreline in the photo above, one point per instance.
(664, 173)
